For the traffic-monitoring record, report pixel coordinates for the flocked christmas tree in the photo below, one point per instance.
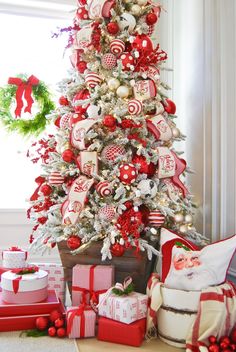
(110, 171)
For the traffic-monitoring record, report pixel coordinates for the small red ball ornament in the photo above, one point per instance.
(46, 190)
(233, 347)
(81, 66)
(59, 322)
(117, 250)
(113, 28)
(54, 315)
(212, 339)
(169, 106)
(143, 44)
(68, 155)
(127, 173)
(41, 323)
(214, 348)
(151, 18)
(82, 13)
(233, 335)
(73, 242)
(109, 121)
(225, 340)
(61, 332)
(52, 331)
(63, 101)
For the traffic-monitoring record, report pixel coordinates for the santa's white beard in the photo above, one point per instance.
(191, 279)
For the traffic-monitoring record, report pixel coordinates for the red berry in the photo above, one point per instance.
(73, 242)
(61, 332)
(63, 101)
(109, 121)
(54, 315)
(59, 322)
(113, 28)
(96, 37)
(81, 66)
(68, 155)
(151, 18)
(41, 323)
(57, 121)
(233, 335)
(52, 331)
(117, 250)
(46, 190)
(233, 347)
(214, 348)
(212, 339)
(224, 345)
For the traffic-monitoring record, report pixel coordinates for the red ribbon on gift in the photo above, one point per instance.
(16, 283)
(39, 180)
(24, 90)
(77, 312)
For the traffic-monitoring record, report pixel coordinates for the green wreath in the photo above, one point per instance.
(27, 86)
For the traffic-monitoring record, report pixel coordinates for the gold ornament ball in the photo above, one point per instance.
(113, 83)
(179, 217)
(142, 2)
(183, 228)
(175, 132)
(188, 218)
(122, 92)
(136, 10)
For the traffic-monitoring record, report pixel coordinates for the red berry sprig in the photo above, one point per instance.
(225, 343)
(54, 325)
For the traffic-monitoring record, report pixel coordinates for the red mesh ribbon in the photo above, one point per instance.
(77, 312)
(24, 90)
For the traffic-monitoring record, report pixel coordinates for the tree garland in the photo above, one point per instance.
(25, 127)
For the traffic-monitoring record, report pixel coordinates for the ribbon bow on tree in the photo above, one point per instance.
(24, 90)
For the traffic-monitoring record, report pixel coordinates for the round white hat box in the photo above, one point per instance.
(176, 314)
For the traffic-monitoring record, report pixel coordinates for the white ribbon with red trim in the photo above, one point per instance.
(88, 163)
(158, 126)
(145, 89)
(79, 131)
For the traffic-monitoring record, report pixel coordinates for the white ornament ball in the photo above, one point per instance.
(135, 107)
(104, 188)
(109, 61)
(117, 46)
(127, 22)
(107, 213)
(175, 132)
(142, 2)
(123, 92)
(147, 188)
(113, 83)
(188, 218)
(179, 217)
(136, 10)
(111, 152)
(183, 228)
(94, 112)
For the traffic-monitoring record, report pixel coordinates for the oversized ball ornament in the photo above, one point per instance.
(113, 28)
(135, 107)
(94, 112)
(109, 61)
(111, 152)
(64, 121)
(136, 10)
(188, 218)
(147, 188)
(127, 62)
(156, 218)
(73, 242)
(92, 79)
(104, 189)
(142, 43)
(117, 46)
(179, 217)
(113, 83)
(82, 13)
(122, 92)
(127, 22)
(127, 173)
(175, 132)
(55, 178)
(107, 212)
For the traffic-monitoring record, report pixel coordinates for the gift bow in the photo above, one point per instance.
(77, 312)
(39, 180)
(15, 249)
(24, 89)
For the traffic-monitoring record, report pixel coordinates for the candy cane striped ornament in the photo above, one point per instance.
(117, 46)
(135, 107)
(104, 189)
(92, 79)
(55, 179)
(156, 218)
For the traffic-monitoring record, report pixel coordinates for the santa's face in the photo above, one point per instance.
(188, 260)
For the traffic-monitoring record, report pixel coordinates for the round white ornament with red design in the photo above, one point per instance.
(111, 152)
(107, 213)
(135, 107)
(117, 46)
(109, 61)
(55, 178)
(127, 173)
(92, 79)
(64, 121)
(127, 61)
(156, 218)
(104, 188)
(127, 22)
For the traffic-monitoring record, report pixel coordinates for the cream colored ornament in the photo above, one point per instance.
(188, 218)
(175, 132)
(179, 217)
(127, 22)
(123, 92)
(183, 228)
(142, 2)
(113, 83)
(136, 10)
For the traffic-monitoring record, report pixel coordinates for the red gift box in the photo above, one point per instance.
(113, 331)
(9, 309)
(23, 322)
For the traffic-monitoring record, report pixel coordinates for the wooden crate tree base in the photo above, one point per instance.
(139, 268)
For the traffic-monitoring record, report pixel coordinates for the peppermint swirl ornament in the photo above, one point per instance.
(135, 107)
(117, 46)
(156, 218)
(92, 79)
(104, 189)
(55, 179)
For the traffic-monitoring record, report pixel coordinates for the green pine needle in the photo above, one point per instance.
(34, 333)
(127, 291)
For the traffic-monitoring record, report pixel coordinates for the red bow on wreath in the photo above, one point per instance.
(24, 89)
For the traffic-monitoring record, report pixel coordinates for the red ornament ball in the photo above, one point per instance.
(143, 44)
(41, 323)
(111, 152)
(109, 61)
(59, 322)
(109, 121)
(127, 62)
(68, 155)
(117, 250)
(169, 106)
(46, 190)
(214, 348)
(144, 167)
(233, 335)
(54, 315)
(107, 212)
(82, 13)
(113, 28)
(81, 66)
(225, 340)
(52, 331)
(127, 173)
(151, 18)
(73, 242)
(156, 218)
(63, 101)
(57, 121)
(61, 332)
(212, 339)
(233, 347)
